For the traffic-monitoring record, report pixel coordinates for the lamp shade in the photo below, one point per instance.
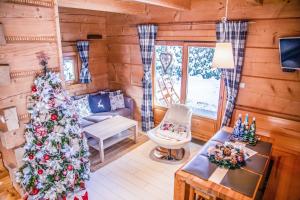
(223, 57)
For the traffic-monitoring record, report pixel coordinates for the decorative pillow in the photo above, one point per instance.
(82, 106)
(116, 99)
(167, 126)
(99, 103)
(173, 131)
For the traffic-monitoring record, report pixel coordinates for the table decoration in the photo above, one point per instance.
(244, 132)
(227, 155)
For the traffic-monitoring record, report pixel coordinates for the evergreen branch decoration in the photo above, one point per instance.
(226, 155)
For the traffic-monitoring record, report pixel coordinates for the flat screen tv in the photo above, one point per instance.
(290, 53)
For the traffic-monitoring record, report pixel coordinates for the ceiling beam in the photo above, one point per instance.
(116, 6)
(174, 4)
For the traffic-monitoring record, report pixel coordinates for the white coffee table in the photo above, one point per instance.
(109, 132)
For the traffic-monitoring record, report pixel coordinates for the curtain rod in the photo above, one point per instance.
(188, 23)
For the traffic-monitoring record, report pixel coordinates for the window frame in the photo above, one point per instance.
(184, 79)
(72, 56)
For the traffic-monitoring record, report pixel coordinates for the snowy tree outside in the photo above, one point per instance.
(203, 83)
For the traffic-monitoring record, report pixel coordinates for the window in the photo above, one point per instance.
(183, 74)
(70, 69)
(168, 73)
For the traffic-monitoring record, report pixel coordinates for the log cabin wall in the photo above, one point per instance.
(37, 26)
(267, 88)
(28, 29)
(76, 24)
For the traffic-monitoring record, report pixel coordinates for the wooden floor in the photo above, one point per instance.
(135, 176)
(7, 191)
(127, 174)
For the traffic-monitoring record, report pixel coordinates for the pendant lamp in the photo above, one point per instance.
(223, 56)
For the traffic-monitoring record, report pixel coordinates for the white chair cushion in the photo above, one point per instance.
(169, 135)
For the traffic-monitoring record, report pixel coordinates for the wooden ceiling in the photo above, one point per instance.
(124, 6)
(174, 4)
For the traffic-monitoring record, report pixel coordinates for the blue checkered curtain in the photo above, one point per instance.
(83, 49)
(234, 32)
(147, 35)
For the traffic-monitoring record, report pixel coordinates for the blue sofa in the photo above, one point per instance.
(98, 117)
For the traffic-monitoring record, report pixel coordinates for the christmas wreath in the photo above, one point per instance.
(226, 155)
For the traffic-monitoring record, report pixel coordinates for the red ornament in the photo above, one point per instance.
(70, 167)
(40, 171)
(56, 178)
(34, 191)
(31, 157)
(75, 198)
(82, 185)
(53, 117)
(33, 88)
(39, 144)
(46, 157)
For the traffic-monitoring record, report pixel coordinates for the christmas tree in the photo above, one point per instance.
(56, 163)
(252, 137)
(245, 135)
(237, 128)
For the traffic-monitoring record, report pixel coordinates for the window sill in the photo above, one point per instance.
(74, 85)
(194, 116)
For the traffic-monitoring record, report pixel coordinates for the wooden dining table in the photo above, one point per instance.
(192, 180)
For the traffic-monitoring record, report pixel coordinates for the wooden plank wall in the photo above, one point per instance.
(28, 29)
(76, 24)
(267, 90)
(271, 95)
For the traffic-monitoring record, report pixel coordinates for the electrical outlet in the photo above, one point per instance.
(242, 85)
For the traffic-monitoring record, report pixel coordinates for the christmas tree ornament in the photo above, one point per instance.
(54, 150)
(33, 88)
(82, 185)
(46, 157)
(53, 117)
(34, 191)
(70, 167)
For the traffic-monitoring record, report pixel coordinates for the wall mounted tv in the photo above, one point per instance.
(289, 48)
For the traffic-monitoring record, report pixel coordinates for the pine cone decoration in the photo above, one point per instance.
(227, 151)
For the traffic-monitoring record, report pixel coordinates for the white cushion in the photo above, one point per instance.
(116, 99)
(82, 107)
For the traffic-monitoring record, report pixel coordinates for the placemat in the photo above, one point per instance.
(241, 180)
(256, 163)
(221, 136)
(200, 166)
(263, 148)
